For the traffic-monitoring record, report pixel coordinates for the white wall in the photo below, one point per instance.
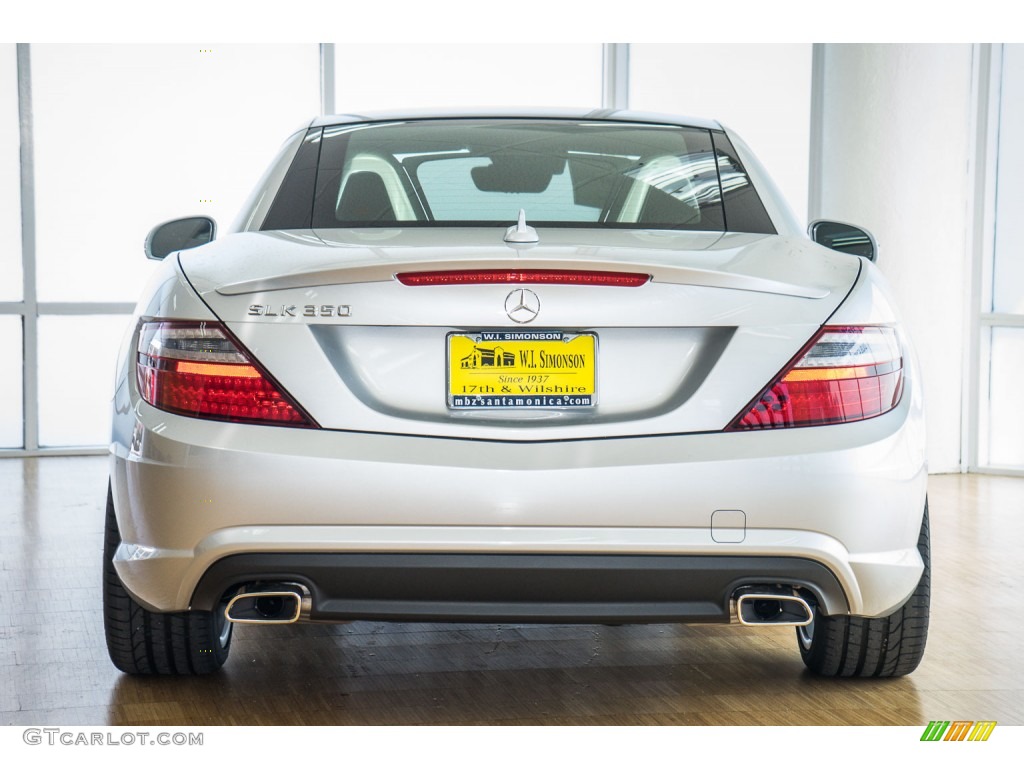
(895, 150)
(127, 136)
(1002, 422)
(10, 178)
(397, 76)
(763, 92)
(10, 250)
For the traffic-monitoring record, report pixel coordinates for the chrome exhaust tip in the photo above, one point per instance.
(273, 604)
(757, 608)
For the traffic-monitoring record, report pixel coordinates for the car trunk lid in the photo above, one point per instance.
(716, 317)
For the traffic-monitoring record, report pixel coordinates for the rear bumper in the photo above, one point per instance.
(192, 496)
(522, 588)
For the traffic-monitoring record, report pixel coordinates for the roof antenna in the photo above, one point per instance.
(521, 232)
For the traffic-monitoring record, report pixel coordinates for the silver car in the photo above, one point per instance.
(516, 367)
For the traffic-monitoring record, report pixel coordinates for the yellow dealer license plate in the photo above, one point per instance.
(522, 369)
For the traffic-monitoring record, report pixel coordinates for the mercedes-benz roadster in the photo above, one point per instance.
(528, 367)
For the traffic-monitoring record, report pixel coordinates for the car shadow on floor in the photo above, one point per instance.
(367, 673)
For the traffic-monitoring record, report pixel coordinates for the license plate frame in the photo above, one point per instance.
(524, 381)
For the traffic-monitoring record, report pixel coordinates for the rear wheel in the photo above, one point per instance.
(143, 642)
(889, 646)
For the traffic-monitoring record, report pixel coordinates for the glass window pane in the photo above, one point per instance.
(10, 382)
(389, 77)
(763, 92)
(1006, 416)
(449, 189)
(10, 178)
(1008, 272)
(77, 357)
(557, 171)
(128, 136)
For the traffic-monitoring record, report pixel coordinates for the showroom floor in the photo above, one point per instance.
(54, 668)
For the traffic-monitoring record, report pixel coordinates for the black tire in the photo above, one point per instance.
(889, 646)
(142, 642)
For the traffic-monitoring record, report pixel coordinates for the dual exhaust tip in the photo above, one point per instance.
(757, 606)
(269, 604)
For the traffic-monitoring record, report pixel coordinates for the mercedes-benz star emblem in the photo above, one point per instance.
(522, 305)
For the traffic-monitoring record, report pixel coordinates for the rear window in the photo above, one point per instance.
(563, 173)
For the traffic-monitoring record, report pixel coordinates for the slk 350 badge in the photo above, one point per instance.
(294, 310)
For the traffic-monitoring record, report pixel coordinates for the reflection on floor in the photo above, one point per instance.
(54, 668)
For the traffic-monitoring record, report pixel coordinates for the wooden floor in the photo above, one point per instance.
(54, 668)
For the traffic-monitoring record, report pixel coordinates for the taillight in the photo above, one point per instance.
(543, 276)
(844, 374)
(198, 369)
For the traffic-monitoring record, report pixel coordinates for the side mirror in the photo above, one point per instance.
(178, 235)
(844, 238)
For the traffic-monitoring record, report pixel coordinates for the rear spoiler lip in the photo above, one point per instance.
(660, 273)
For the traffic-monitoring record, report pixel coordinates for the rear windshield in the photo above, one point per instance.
(483, 172)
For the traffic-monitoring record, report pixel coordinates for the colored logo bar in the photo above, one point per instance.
(958, 730)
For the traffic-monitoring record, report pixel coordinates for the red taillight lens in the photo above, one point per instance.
(845, 374)
(197, 369)
(490, 276)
